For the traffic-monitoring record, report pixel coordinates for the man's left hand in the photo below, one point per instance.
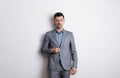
(73, 70)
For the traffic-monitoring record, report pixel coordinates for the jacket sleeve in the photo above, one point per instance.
(73, 51)
(45, 45)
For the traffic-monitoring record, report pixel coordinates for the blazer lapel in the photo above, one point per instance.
(54, 38)
(63, 37)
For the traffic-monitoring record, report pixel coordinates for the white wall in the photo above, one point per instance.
(95, 24)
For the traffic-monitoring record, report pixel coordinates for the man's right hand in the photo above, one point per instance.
(55, 50)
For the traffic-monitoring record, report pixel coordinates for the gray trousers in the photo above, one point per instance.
(60, 72)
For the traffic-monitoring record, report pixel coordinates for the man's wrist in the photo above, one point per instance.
(51, 50)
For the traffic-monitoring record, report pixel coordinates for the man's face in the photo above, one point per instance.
(59, 21)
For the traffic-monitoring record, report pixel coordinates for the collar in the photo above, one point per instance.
(61, 31)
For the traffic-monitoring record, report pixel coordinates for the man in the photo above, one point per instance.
(60, 46)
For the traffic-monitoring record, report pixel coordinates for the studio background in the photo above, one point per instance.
(94, 23)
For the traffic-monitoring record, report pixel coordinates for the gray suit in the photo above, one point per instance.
(68, 54)
(65, 59)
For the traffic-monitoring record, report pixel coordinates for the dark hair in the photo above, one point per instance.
(58, 14)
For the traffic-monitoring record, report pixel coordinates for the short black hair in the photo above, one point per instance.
(57, 14)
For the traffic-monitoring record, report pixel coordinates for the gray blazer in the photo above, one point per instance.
(68, 54)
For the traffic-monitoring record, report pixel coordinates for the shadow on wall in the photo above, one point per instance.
(44, 72)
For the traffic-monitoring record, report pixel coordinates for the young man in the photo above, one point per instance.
(59, 44)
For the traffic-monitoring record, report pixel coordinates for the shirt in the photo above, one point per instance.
(59, 36)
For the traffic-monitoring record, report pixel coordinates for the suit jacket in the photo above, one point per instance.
(68, 54)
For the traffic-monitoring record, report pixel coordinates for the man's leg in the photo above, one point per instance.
(54, 74)
(59, 72)
(66, 74)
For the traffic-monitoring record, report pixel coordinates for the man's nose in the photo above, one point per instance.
(59, 22)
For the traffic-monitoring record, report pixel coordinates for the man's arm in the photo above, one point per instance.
(45, 46)
(74, 55)
(73, 51)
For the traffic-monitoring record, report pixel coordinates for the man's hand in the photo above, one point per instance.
(55, 50)
(73, 70)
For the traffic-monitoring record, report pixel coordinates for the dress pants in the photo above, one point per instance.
(60, 72)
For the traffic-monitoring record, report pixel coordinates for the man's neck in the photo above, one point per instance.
(59, 29)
